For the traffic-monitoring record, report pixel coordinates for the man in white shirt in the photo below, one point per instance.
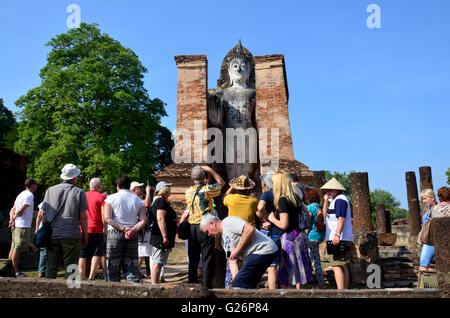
(336, 210)
(20, 219)
(126, 215)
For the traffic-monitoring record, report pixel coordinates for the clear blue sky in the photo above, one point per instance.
(374, 100)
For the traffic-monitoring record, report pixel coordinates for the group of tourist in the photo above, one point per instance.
(118, 232)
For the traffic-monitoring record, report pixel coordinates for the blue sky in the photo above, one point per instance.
(374, 100)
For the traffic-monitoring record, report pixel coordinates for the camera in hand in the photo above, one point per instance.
(339, 249)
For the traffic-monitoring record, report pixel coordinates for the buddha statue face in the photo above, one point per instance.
(239, 71)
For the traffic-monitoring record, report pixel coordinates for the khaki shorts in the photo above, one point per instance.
(20, 239)
(338, 260)
(160, 256)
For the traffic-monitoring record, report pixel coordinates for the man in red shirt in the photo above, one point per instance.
(94, 248)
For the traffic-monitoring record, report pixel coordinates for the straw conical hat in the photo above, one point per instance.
(333, 184)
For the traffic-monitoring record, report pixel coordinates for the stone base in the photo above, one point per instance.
(414, 246)
(57, 288)
(364, 253)
(387, 239)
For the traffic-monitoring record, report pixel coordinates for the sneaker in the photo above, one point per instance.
(20, 274)
(41, 275)
(162, 280)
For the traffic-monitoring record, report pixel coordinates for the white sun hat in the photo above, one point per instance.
(69, 171)
(333, 184)
(135, 184)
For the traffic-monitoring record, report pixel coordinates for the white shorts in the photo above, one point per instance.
(144, 247)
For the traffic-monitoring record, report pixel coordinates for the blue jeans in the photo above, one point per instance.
(252, 270)
(277, 240)
(427, 255)
(42, 260)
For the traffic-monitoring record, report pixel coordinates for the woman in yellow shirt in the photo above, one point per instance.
(241, 204)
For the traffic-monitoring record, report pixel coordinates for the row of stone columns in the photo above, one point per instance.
(361, 202)
(366, 237)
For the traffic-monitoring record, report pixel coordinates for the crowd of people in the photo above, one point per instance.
(279, 233)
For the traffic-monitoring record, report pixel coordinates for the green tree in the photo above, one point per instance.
(399, 213)
(448, 175)
(379, 196)
(7, 122)
(91, 110)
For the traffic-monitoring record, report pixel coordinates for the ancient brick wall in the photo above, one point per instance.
(272, 101)
(192, 96)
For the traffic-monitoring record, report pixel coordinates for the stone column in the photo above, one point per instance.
(362, 218)
(414, 213)
(192, 107)
(440, 227)
(364, 236)
(381, 221)
(319, 178)
(387, 213)
(426, 180)
(272, 96)
(413, 203)
(383, 225)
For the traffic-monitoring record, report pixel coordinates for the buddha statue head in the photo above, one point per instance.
(237, 69)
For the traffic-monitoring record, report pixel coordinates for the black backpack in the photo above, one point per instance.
(304, 218)
(150, 221)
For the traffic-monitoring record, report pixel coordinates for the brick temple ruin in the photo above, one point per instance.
(272, 96)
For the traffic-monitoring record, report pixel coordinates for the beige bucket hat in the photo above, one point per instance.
(333, 184)
(242, 183)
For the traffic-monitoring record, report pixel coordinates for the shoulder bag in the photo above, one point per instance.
(425, 233)
(43, 235)
(320, 222)
(183, 228)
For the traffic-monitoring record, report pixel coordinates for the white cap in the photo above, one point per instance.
(135, 184)
(161, 185)
(69, 171)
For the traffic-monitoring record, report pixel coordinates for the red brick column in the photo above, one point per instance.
(414, 220)
(362, 219)
(192, 96)
(365, 250)
(272, 101)
(426, 180)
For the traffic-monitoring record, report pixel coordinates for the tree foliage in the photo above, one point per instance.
(91, 110)
(379, 196)
(448, 175)
(7, 122)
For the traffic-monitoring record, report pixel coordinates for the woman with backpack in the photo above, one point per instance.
(317, 233)
(295, 264)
